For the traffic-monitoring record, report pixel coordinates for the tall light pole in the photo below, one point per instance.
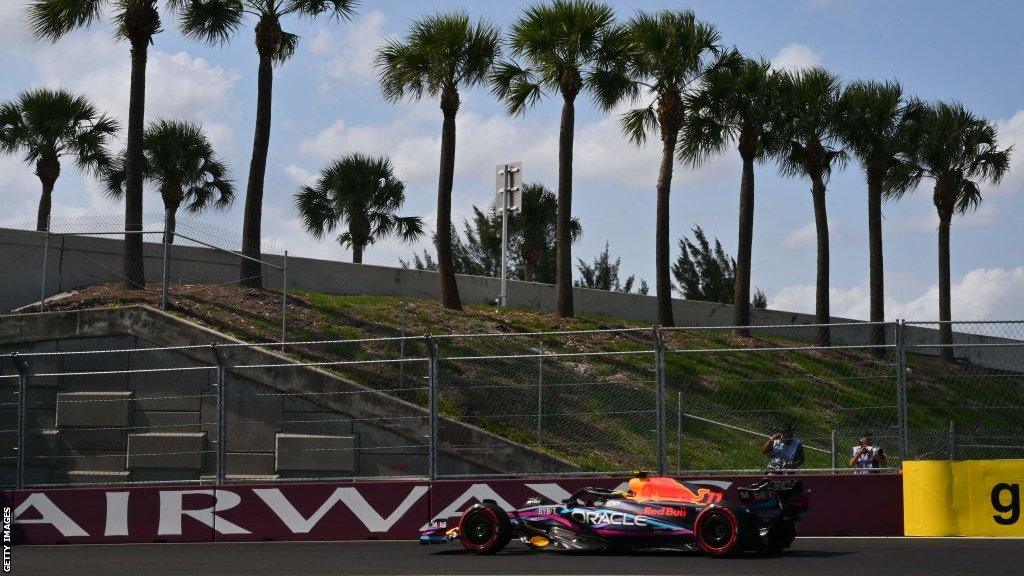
(509, 198)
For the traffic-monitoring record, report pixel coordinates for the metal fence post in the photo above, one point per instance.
(222, 423)
(24, 374)
(659, 397)
(42, 281)
(284, 301)
(901, 388)
(952, 440)
(401, 346)
(166, 277)
(679, 431)
(432, 378)
(540, 392)
(833, 449)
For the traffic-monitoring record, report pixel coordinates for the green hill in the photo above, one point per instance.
(591, 398)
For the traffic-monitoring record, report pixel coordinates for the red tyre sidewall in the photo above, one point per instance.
(731, 545)
(495, 535)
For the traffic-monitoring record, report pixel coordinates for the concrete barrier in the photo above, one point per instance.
(394, 510)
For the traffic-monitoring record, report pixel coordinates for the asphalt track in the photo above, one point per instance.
(835, 556)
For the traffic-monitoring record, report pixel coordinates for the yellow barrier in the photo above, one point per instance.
(967, 498)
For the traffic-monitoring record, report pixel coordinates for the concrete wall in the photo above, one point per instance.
(74, 261)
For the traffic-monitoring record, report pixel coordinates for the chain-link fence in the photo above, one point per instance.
(119, 410)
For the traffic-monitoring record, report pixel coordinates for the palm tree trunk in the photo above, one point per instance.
(821, 313)
(357, 253)
(945, 299)
(876, 270)
(563, 229)
(741, 291)
(662, 248)
(445, 265)
(48, 170)
(170, 223)
(528, 268)
(134, 272)
(251, 271)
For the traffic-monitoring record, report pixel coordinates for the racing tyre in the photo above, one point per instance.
(780, 536)
(718, 531)
(484, 528)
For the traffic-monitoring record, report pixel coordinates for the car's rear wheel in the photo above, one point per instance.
(718, 531)
(485, 528)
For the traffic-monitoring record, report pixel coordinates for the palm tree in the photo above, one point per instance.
(959, 152)
(535, 230)
(878, 127)
(811, 149)
(136, 21)
(215, 21)
(179, 159)
(440, 55)
(738, 104)
(670, 52)
(361, 193)
(569, 46)
(48, 125)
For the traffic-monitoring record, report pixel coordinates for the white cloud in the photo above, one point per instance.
(1011, 133)
(796, 56)
(178, 85)
(800, 238)
(14, 31)
(981, 294)
(413, 142)
(300, 175)
(348, 52)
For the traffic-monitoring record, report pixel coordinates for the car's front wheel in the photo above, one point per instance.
(484, 528)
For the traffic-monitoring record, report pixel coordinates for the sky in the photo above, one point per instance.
(327, 104)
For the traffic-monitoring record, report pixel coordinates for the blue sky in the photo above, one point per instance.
(327, 104)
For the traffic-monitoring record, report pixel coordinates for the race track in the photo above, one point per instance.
(835, 556)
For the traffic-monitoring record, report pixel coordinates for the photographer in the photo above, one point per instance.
(784, 450)
(866, 456)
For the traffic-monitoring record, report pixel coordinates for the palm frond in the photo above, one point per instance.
(210, 21)
(287, 47)
(516, 87)
(52, 19)
(337, 9)
(638, 123)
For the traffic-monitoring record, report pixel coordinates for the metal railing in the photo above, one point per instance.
(680, 400)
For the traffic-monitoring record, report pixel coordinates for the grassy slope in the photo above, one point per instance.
(598, 410)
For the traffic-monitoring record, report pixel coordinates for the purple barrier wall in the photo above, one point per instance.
(840, 505)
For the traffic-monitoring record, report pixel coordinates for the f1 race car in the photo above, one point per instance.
(651, 513)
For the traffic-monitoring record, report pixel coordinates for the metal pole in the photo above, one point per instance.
(833, 449)
(284, 301)
(659, 396)
(432, 376)
(901, 388)
(540, 392)
(679, 430)
(42, 282)
(167, 264)
(222, 423)
(504, 238)
(23, 376)
(401, 346)
(952, 440)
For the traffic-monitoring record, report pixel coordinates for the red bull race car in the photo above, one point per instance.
(647, 513)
